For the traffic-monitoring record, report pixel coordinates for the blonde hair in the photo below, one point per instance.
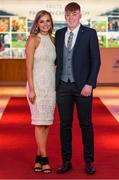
(35, 29)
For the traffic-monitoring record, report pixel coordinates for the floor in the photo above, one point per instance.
(108, 95)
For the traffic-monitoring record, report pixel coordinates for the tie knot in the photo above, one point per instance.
(71, 33)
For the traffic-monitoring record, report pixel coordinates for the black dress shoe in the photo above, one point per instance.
(90, 169)
(66, 166)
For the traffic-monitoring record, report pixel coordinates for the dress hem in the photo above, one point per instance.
(41, 123)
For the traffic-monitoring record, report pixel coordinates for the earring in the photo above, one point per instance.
(36, 29)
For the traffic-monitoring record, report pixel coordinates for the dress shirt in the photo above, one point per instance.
(75, 33)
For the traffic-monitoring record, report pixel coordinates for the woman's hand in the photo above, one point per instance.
(32, 96)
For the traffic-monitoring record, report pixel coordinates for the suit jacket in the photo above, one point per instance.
(85, 59)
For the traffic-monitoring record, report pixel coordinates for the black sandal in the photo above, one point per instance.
(45, 161)
(38, 160)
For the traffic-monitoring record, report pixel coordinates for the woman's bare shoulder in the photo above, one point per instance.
(33, 40)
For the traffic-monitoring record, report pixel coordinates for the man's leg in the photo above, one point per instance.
(65, 102)
(84, 109)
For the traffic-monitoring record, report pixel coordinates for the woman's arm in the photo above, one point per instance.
(30, 50)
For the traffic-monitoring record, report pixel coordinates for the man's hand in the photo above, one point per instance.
(87, 90)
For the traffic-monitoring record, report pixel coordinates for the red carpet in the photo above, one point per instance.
(17, 145)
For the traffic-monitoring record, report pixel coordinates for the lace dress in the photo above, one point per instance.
(42, 111)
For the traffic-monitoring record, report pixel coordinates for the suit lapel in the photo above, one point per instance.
(62, 41)
(79, 36)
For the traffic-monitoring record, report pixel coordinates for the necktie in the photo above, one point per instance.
(69, 42)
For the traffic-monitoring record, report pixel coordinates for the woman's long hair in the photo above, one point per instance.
(35, 29)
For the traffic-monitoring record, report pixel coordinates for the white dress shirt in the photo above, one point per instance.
(75, 33)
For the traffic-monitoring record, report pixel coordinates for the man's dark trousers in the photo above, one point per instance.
(67, 95)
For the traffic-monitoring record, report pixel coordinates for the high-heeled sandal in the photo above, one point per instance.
(38, 160)
(45, 161)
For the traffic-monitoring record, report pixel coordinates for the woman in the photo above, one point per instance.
(40, 57)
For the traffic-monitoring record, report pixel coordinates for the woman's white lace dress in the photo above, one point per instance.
(42, 111)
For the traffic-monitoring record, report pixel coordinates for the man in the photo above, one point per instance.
(78, 62)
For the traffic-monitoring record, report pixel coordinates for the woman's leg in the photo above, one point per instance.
(41, 135)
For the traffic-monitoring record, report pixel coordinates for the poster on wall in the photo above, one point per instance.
(16, 18)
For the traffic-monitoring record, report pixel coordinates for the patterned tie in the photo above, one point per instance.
(69, 42)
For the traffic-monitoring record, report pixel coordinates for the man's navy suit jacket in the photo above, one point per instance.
(85, 59)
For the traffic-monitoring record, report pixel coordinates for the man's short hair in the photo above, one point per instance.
(73, 6)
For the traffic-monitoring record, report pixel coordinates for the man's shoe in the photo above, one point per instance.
(66, 166)
(90, 169)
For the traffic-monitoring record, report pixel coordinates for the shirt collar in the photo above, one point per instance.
(75, 31)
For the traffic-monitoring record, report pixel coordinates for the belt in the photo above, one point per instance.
(67, 82)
